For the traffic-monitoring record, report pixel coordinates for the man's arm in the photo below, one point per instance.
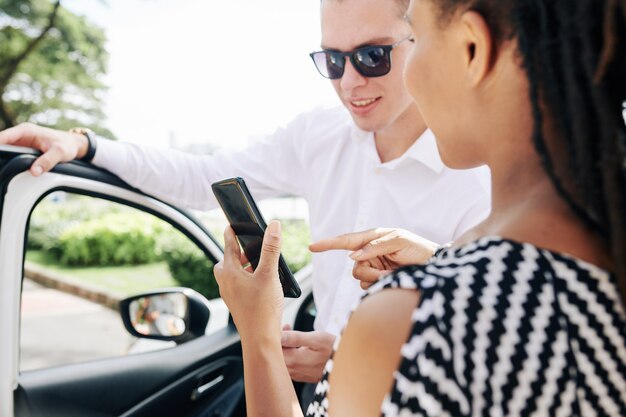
(270, 167)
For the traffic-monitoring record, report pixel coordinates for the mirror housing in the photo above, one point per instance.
(173, 314)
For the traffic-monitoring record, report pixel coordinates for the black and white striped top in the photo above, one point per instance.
(507, 329)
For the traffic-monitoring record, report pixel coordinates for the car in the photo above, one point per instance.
(201, 375)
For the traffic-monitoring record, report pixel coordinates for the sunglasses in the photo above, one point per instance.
(369, 61)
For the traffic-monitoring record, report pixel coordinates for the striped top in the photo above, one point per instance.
(507, 329)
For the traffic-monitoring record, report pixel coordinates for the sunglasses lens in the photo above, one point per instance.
(329, 64)
(373, 61)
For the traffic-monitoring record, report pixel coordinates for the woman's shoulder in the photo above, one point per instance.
(487, 258)
(495, 268)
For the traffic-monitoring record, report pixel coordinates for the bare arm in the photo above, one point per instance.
(255, 300)
(269, 390)
(369, 353)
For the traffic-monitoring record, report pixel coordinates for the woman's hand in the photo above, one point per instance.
(254, 298)
(56, 145)
(378, 251)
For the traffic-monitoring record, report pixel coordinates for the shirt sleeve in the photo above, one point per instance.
(271, 167)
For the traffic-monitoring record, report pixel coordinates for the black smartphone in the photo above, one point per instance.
(246, 220)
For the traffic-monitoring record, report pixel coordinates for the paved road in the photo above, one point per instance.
(59, 328)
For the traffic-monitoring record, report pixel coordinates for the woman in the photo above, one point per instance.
(524, 315)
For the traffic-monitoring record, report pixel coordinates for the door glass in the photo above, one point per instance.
(83, 255)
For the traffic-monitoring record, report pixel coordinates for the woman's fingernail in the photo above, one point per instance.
(37, 170)
(356, 254)
(274, 228)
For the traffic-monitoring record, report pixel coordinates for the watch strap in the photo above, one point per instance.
(91, 142)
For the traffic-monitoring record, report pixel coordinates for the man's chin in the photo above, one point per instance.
(367, 124)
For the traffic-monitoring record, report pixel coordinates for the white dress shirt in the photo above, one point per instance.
(324, 158)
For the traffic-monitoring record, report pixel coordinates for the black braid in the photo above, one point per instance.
(544, 74)
(574, 53)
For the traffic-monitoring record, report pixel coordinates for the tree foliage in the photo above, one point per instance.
(51, 65)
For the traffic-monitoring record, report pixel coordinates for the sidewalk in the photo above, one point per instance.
(60, 328)
(51, 279)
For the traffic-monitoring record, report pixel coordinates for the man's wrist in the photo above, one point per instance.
(87, 152)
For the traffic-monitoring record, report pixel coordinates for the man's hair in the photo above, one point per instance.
(573, 54)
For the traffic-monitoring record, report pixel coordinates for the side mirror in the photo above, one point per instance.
(174, 314)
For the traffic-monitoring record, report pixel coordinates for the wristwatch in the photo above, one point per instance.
(91, 142)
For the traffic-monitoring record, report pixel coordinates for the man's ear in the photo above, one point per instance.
(478, 44)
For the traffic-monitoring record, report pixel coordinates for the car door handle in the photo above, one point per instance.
(202, 389)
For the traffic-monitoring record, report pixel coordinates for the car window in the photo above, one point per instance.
(84, 254)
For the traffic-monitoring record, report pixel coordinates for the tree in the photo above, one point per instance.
(51, 65)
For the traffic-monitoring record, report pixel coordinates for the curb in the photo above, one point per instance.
(52, 279)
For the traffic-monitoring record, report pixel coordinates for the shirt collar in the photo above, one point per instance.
(423, 150)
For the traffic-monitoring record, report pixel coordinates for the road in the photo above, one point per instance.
(59, 328)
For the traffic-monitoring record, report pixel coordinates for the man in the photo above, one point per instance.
(370, 163)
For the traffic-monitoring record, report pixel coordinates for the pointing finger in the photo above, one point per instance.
(348, 241)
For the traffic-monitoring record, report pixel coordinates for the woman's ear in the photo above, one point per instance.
(479, 46)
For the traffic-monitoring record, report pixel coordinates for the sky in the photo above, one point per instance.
(219, 71)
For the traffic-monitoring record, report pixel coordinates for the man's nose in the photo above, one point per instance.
(351, 77)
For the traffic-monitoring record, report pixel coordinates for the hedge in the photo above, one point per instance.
(107, 234)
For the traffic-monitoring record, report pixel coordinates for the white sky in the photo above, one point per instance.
(220, 71)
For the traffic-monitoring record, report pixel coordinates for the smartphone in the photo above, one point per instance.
(245, 218)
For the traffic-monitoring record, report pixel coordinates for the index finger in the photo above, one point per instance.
(348, 241)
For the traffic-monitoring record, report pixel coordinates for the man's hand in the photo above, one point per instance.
(378, 251)
(56, 145)
(306, 353)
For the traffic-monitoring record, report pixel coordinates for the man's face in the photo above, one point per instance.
(374, 103)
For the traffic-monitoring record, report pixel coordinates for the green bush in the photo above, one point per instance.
(112, 239)
(295, 245)
(189, 266)
(83, 231)
(50, 219)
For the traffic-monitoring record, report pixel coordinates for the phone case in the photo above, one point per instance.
(246, 220)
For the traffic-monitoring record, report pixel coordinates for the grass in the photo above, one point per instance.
(124, 280)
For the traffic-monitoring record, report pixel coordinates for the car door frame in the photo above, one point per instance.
(20, 194)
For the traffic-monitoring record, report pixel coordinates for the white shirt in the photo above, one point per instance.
(324, 158)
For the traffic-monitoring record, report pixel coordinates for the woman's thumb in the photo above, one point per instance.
(270, 252)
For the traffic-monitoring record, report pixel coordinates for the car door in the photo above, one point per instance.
(202, 377)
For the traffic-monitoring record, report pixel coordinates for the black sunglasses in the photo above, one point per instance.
(369, 61)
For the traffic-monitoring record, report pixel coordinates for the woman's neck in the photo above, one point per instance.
(526, 207)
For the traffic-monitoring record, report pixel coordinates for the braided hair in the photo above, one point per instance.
(574, 54)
